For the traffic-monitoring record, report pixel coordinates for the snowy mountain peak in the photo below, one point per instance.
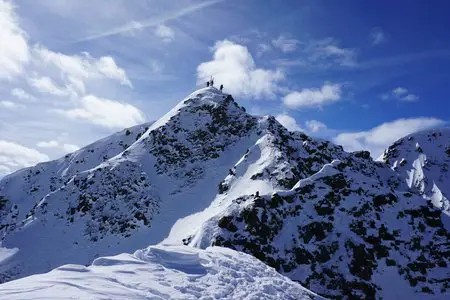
(208, 173)
(209, 96)
(423, 159)
(435, 142)
(126, 186)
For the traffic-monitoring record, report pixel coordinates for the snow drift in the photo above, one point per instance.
(161, 272)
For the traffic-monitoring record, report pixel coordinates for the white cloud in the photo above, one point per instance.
(234, 67)
(76, 69)
(14, 52)
(49, 144)
(385, 96)
(106, 66)
(69, 148)
(263, 48)
(21, 94)
(285, 44)
(75, 85)
(105, 112)
(379, 138)
(4, 170)
(377, 36)
(46, 85)
(315, 126)
(256, 110)
(410, 98)
(312, 127)
(400, 93)
(156, 67)
(289, 122)
(166, 33)
(34, 70)
(314, 97)
(52, 144)
(161, 19)
(47, 67)
(134, 28)
(322, 54)
(13, 156)
(327, 52)
(11, 105)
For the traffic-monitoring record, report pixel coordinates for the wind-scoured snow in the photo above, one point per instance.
(161, 272)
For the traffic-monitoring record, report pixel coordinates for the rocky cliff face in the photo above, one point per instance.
(355, 227)
(352, 229)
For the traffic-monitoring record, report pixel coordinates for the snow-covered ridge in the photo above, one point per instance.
(353, 229)
(47, 177)
(209, 174)
(162, 272)
(96, 205)
(423, 159)
(275, 163)
(206, 96)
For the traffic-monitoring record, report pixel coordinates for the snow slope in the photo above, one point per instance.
(161, 272)
(423, 159)
(276, 162)
(354, 229)
(122, 193)
(208, 173)
(105, 199)
(27, 186)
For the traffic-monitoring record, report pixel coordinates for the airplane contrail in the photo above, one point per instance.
(150, 22)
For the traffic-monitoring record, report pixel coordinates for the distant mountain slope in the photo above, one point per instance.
(28, 186)
(162, 273)
(423, 159)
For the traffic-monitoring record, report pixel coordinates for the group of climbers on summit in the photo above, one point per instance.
(211, 83)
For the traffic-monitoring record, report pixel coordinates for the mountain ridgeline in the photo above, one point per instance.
(210, 174)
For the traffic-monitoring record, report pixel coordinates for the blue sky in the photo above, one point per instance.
(360, 73)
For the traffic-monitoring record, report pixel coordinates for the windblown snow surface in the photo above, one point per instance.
(161, 272)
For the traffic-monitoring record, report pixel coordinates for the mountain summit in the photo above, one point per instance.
(123, 192)
(423, 159)
(209, 174)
